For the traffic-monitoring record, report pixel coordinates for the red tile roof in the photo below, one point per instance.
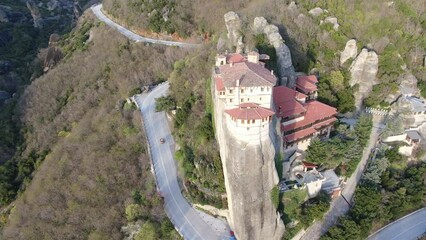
(308, 164)
(307, 83)
(285, 101)
(249, 74)
(250, 111)
(315, 111)
(310, 78)
(282, 93)
(299, 134)
(219, 84)
(235, 58)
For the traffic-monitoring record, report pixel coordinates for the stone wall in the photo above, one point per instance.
(250, 175)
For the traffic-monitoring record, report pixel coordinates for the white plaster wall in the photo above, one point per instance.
(252, 94)
(396, 138)
(249, 133)
(314, 188)
(299, 146)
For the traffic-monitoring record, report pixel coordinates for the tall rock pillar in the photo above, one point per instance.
(250, 175)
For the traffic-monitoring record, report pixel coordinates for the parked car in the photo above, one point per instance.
(162, 140)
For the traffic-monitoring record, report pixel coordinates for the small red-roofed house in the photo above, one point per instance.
(307, 85)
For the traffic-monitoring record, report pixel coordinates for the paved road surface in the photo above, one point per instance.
(339, 206)
(133, 36)
(183, 216)
(409, 227)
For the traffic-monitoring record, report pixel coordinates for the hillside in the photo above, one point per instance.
(72, 151)
(85, 143)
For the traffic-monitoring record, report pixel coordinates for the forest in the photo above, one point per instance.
(83, 172)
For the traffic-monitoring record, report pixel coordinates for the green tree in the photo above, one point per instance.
(133, 212)
(147, 232)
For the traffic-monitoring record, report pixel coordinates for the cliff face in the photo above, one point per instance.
(250, 175)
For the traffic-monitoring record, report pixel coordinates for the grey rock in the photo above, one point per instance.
(332, 20)
(233, 25)
(363, 72)
(35, 13)
(285, 67)
(3, 16)
(350, 51)
(316, 11)
(52, 5)
(221, 43)
(259, 25)
(293, 10)
(250, 176)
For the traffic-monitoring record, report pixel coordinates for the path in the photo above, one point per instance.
(133, 36)
(409, 227)
(186, 219)
(339, 206)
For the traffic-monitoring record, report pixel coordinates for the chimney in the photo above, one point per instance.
(253, 57)
(237, 83)
(272, 72)
(232, 64)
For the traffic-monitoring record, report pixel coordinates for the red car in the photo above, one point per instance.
(162, 140)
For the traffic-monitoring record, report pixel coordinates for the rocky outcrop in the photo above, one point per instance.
(35, 13)
(363, 72)
(53, 54)
(286, 71)
(3, 15)
(250, 176)
(233, 25)
(350, 51)
(316, 11)
(333, 21)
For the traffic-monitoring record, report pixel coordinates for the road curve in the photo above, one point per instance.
(185, 218)
(409, 227)
(339, 207)
(96, 9)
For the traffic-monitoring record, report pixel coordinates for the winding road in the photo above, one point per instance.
(409, 227)
(97, 10)
(185, 218)
(339, 206)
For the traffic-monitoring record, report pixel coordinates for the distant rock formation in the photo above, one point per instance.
(363, 72)
(350, 51)
(53, 54)
(286, 71)
(233, 25)
(35, 13)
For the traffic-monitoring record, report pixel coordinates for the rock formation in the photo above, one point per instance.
(233, 25)
(250, 175)
(363, 72)
(286, 71)
(316, 11)
(3, 15)
(333, 21)
(350, 51)
(35, 13)
(53, 54)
